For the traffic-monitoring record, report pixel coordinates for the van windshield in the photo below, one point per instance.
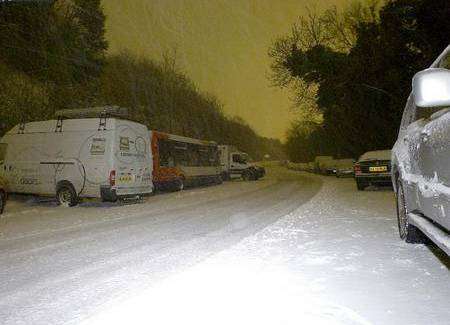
(240, 158)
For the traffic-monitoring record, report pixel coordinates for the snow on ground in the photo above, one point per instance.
(293, 248)
(335, 260)
(59, 265)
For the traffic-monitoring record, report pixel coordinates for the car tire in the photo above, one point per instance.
(66, 195)
(225, 176)
(2, 201)
(407, 232)
(360, 185)
(178, 185)
(246, 175)
(253, 175)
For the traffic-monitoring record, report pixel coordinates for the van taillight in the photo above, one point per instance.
(357, 169)
(112, 178)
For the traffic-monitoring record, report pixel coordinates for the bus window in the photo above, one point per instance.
(193, 155)
(164, 153)
(180, 153)
(204, 155)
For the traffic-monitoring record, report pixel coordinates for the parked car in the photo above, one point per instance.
(421, 158)
(344, 168)
(373, 168)
(3, 193)
(331, 167)
(322, 163)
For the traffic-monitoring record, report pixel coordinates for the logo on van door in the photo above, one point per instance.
(124, 144)
(98, 146)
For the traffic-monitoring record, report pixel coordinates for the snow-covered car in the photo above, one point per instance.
(373, 168)
(421, 158)
(3, 194)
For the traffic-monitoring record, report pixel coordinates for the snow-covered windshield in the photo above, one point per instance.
(376, 155)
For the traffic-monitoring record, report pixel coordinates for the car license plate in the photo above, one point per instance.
(378, 169)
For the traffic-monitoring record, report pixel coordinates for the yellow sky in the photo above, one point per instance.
(221, 44)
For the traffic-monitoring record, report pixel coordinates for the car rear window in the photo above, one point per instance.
(376, 155)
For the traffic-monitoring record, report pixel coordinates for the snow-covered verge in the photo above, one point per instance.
(335, 260)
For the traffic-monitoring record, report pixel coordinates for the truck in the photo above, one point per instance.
(235, 164)
(83, 153)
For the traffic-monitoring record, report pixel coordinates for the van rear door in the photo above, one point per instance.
(133, 163)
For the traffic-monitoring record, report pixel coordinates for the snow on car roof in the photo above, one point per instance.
(377, 154)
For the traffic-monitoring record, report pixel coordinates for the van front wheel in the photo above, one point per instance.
(66, 195)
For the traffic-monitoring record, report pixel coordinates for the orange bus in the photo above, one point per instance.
(180, 162)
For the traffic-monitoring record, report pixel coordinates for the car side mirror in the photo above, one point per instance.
(431, 88)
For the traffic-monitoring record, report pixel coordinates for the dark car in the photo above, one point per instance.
(373, 168)
(421, 158)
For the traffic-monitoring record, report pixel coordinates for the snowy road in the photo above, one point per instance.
(293, 248)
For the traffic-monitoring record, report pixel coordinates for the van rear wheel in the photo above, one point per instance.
(66, 195)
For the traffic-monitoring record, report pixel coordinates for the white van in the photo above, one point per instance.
(71, 158)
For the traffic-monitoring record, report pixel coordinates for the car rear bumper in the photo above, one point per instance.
(378, 179)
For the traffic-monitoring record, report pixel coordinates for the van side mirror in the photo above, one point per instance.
(431, 88)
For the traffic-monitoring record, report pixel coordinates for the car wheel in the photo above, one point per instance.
(2, 201)
(66, 195)
(179, 184)
(407, 232)
(360, 185)
(225, 176)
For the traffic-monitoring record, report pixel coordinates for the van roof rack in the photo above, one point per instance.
(103, 111)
